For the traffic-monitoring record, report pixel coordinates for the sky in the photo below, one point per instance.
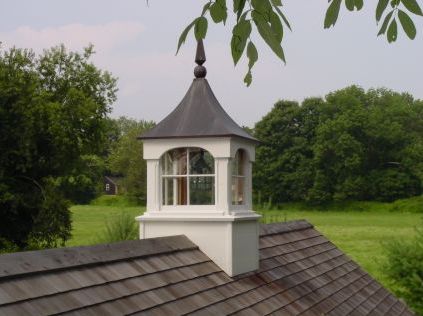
(136, 42)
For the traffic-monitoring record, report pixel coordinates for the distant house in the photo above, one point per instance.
(111, 185)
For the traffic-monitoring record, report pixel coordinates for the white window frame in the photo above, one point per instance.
(188, 175)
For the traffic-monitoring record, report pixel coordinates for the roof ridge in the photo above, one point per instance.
(284, 227)
(32, 262)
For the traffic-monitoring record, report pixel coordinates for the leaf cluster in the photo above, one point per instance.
(268, 19)
(263, 15)
(392, 10)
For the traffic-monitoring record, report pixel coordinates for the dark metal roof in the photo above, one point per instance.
(199, 114)
(301, 272)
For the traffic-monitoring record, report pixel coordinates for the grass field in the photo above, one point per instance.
(359, 233)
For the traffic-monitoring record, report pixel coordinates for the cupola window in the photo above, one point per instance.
(188, 177)
(238, 178)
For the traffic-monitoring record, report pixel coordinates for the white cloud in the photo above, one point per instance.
(75, 36)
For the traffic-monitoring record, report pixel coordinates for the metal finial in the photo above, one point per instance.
(200, 57)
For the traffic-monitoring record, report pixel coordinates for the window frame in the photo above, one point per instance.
(188, 176)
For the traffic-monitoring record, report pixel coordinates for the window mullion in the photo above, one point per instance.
(188, 178)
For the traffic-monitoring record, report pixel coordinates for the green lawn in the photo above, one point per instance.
(358, 233)
(89, 220)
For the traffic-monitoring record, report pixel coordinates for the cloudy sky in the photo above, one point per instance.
(137, 43)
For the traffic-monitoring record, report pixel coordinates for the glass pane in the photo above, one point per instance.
(238, 190)
(201, 190)
(174, 191)
(238, 164)
(167, 191)
(174, 162)
(200, 161)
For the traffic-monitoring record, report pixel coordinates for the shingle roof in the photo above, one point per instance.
(301, 272)
(198, 115)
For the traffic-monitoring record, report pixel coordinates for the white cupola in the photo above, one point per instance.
(199, 165)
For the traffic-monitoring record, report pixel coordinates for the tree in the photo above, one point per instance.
(53, 111)
(354, 145)
(125, 158)
(268, 19)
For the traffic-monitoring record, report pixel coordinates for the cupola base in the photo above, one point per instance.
(230, 241)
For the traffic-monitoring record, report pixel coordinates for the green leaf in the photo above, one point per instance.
(218, 11)
(184, 34)
(240, 34)
(248, 78)
(200, 28)
(267, 34)
(407, 24)
(412, 6)
(359, 4)
(285, 20)
(276, 25)
(252, 54)
(277, 3)
(385, 23)
(394, 3)
(332, 13)
(381, 6)
(392, 32)
(239, 7)
(205, 8)
(262, 6)
(350, 4)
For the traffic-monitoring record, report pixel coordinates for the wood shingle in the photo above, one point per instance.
(301, 273)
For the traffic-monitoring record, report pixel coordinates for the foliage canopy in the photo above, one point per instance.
(353, 145)
(53, 111)
(268, 19)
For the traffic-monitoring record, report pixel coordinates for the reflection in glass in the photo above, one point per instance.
(237, 190)
(238, 163)
(201, 190)
(174, 162)
(175, 191)
(200, 162)
(238, 178)
(181, 183)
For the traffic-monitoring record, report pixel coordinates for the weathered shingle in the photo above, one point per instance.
(301, 273)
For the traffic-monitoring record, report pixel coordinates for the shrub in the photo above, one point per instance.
(120, 228)
(404, 268)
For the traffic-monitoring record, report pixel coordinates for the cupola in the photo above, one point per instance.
(199, 167)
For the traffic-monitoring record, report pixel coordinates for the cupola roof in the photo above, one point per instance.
(199, 114)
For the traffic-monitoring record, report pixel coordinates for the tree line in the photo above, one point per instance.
(351, 145)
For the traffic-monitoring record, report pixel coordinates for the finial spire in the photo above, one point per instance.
(200, 57)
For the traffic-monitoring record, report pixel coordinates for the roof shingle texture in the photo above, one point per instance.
(301, 273)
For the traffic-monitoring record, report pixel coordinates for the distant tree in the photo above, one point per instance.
(53, 111)
(355, 145)
(284, 165)
(125, 158)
